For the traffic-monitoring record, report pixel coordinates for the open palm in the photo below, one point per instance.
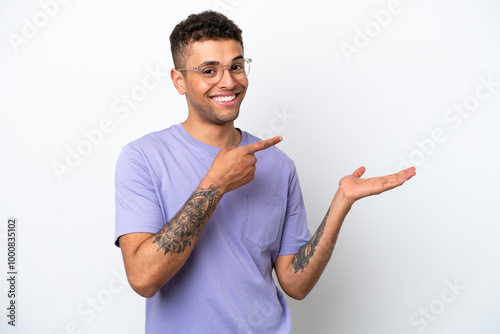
(354, 187)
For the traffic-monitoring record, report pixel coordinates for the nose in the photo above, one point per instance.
(226, 80)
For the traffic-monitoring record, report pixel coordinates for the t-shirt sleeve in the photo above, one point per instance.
(295, 231)
(136, 201)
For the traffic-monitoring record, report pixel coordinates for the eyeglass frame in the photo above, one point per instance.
(208, 63)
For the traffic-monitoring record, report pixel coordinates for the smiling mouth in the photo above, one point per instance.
(225, 98)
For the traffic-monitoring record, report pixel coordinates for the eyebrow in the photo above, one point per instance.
(213, 62)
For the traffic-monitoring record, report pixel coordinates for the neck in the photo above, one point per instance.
(217, 135)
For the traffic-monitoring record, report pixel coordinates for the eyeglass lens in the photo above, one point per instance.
(238, 69)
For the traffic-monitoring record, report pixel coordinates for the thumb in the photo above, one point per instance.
(359, 172)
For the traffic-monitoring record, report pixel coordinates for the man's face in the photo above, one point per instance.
(217, 103)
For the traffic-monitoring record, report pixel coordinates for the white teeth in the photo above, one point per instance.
(224, 98)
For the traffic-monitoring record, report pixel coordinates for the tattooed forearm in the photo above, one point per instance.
(188, 222)
(301, 259)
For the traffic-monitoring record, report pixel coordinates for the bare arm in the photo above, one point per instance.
(151, 260)
(298, 273)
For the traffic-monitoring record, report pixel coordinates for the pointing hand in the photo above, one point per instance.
(234, 166)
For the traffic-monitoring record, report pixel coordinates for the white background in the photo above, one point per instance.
(390, 100)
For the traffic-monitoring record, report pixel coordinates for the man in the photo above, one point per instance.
(206, 211)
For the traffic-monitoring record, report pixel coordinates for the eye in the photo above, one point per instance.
(237, 67)
(208, 71)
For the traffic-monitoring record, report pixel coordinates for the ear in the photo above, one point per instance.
(178, 80)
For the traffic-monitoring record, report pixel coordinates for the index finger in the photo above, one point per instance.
(263, 144)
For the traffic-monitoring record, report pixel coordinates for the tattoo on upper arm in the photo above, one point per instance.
(188, 222)
(301, 259)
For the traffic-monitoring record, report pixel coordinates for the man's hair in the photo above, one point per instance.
(208, 25)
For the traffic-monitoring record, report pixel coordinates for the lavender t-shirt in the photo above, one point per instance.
(226, 284)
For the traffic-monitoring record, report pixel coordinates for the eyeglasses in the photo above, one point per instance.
(211, 72)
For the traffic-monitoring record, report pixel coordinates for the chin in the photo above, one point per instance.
(227, 118)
